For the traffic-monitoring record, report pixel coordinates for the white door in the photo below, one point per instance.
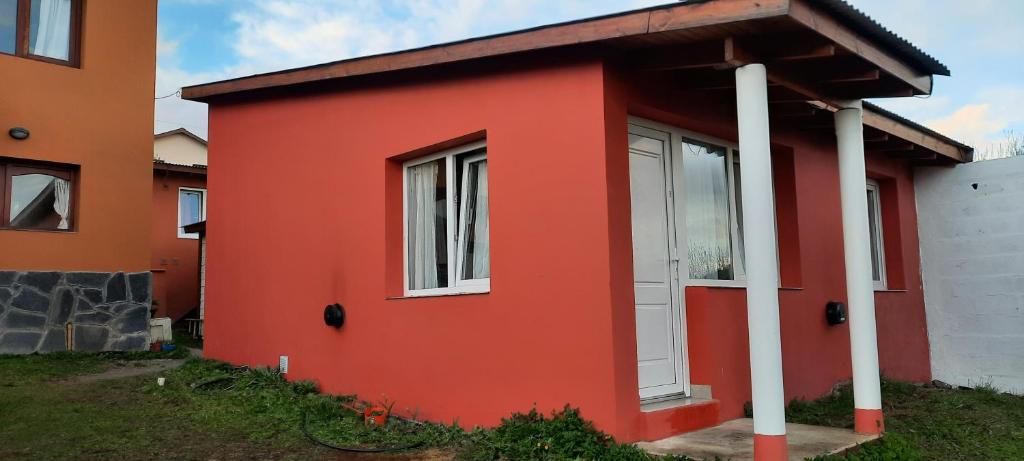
(659, 331)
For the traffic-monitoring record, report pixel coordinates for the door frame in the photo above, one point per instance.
(677, 257)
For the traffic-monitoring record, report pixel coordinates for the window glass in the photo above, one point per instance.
(190, 207)
(708, 220)
(874, 228)
(39, 201)
(427, 223)
(737, 199)
(447, 222)
(50, 28)
(8, 26)
(474, 234)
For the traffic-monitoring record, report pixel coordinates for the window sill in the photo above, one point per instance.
(49, 231)
(188, 236)
(716, 283)
(890, 290)
(34, 57)
(453, 292)
(736, 287)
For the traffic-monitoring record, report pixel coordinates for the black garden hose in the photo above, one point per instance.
(332, 446)
(314, 439)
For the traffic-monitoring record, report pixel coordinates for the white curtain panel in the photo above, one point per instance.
(422, 209)
(481, 226)
(707, 212)
(54, 28)
(62, 201)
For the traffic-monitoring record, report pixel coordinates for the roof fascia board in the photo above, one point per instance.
(659, 19)
(901, 130)
(829, 27)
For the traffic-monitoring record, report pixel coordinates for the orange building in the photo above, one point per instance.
(75, 171)
(179, 199)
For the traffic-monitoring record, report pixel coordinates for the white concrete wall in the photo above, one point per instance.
(971, 222)
(179, 149)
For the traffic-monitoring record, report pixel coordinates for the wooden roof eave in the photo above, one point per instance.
(678, 23)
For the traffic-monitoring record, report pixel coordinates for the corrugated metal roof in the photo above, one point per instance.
(868, 26)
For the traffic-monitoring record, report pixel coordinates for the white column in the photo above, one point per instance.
(761, 263)
(859, 287)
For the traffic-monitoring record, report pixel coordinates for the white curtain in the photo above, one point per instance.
(481, 226)
(53, 30)
(708, 227)
(422, 183)
(62, 201)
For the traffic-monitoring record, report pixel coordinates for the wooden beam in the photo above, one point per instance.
(914, 135)
(863, 76)
(875, 138)
(828, 26)
(903, 147)
(643, 22)
(801, 110)
(791, 47)
(701, 55)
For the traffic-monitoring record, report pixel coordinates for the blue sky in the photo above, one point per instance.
(205, 40)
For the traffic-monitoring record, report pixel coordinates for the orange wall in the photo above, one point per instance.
(306, 207)
(175, 260)
(99, 117)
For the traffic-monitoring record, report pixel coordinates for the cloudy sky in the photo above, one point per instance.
(206, 40)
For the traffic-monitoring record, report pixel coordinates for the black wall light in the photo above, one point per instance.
(835, 313)
(334, 315)
(18, 133)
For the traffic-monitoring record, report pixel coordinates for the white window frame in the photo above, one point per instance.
(676, 136)
(878, 244)
(181, 227)
(461, 237)
(456, 286)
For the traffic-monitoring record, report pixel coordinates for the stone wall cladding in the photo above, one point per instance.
(109, 311)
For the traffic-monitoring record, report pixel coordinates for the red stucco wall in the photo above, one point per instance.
(299, 208)
(815, 355)
(175, 261)
(306, 211)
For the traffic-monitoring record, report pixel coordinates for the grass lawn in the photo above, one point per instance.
(48, 412)
(929, 423)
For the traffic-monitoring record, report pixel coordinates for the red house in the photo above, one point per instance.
(179, 199)
(558, 215)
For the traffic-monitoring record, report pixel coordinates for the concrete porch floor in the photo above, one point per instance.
(734, 440)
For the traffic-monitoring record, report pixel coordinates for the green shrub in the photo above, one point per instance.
(565, 435)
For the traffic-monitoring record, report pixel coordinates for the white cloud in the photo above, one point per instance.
(279, 34)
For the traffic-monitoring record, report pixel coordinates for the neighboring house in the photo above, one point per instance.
(631, 269)
(179, 199)
(76, 117)
(195, 324)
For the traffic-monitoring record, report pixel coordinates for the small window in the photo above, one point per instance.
(875, 231)
(191, 209)
(47, 30)
(447, 236)
(713, 215)
(37, 197)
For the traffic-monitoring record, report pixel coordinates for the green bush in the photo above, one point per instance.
(563, 436)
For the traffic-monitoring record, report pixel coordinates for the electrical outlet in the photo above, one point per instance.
(282, 364)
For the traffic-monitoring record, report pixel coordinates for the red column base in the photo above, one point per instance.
(770, 448)
(868, 421)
